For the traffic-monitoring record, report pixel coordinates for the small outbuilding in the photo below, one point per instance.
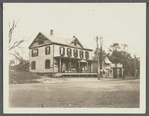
(108, 69)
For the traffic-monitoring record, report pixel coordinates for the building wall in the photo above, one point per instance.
(35, 44)
(57, 53)
(104, 66)
(95, 66)
(118, 67)
(40, 60)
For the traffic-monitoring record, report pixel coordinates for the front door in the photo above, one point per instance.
(120, 73)
(114, 72)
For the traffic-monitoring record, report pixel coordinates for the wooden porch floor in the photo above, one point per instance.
(75, 74)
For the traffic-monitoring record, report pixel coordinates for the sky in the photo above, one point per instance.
(124, 23)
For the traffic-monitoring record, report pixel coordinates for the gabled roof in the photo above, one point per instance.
(95, 58)
(54, 38)
(68, 41)
(59, 40)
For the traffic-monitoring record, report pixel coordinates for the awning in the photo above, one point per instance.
(83, 61)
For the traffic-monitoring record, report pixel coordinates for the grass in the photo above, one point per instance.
(21, 77)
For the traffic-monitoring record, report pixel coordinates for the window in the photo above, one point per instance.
(47, 64)
(75, 53)
(62, 51)
(34, 52)
(69, 52)
(33, 65)
(40, 40)
(75, 42)
(86, 55)
(81, 54)
(47, 50)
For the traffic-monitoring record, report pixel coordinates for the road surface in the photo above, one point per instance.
(76, 93)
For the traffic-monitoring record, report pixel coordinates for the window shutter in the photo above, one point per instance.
(49, 50)
(34, 65)
(49, 63)
(37, 52)
(63, 51)
(70, 52)
(32, 53)
(45, 64)
(45, 50)
(60, 50)
(80, 54)
(86, 55)
(73, 52)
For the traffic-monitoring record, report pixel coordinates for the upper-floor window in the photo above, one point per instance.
(86, 55)
(34, 52)
(75, 42)
(40, 40)
(62, 51)
(69, 52)
(47, 50)
(33, 65)
(75, 53)
(47, 64)
(81, 54)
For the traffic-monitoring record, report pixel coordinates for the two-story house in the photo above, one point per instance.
(51, 54)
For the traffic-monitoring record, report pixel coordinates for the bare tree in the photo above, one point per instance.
(11, 30)
(14, 44)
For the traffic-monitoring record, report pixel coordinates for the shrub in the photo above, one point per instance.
(20, 77)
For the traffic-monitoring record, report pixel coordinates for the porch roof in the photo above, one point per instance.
(71, 58)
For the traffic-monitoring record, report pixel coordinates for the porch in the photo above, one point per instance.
(71, 66)
(76, 75)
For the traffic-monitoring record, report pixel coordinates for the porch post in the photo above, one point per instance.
(79, 66)
(87, 66)
(60, 67)
(90, 67)
(70, 66)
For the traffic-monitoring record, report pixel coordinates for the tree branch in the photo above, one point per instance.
(16, 44)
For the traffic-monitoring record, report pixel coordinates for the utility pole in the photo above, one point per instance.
(99, 53)
(101, 42)
(135, 64)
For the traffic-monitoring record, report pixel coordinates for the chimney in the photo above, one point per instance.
(51, 32)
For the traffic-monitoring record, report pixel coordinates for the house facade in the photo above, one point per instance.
(109, 69)
(51, 54)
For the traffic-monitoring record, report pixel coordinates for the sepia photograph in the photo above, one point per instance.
(74, 57)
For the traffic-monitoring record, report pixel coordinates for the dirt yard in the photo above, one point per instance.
(76, 93)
